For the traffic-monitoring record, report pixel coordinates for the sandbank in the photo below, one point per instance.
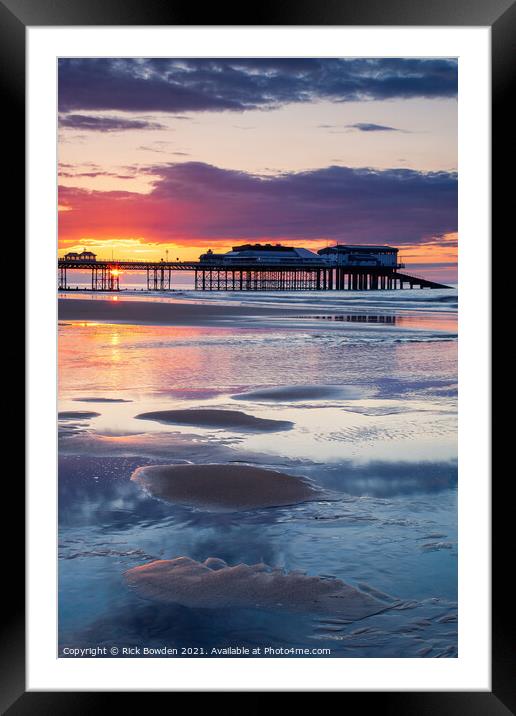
(77, 415)
(224, 487)
(211, 418)
(101, 400)
(214, 584)
(304, 392)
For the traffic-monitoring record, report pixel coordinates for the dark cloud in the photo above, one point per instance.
(194, 203)
(191, 85)
(369, 127)
(105, 124)
(359, 127)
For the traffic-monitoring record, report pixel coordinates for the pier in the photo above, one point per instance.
(105, 276)
(258, 267)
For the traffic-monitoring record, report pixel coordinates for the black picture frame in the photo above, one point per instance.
(15, 17)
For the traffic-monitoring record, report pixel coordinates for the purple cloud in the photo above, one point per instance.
(192, 85)
(370, 127)
(195, 202)
(398, 205)
(105, 124)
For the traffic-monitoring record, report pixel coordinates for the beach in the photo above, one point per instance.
(147, 313)
(207, 309)
(259, 471)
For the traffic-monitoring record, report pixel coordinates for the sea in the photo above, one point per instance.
(380, 437)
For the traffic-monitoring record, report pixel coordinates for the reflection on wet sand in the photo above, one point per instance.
(370, 410)
(435, 322)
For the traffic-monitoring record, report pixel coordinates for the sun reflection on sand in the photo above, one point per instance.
(112, 357)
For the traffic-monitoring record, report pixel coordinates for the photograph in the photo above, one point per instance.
(257, 286)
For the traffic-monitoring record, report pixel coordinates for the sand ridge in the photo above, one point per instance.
(214, 584)
(77, 415)
(101, 400)
(287, 393)
(213, 418)
(224, 487)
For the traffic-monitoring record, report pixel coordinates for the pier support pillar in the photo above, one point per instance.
(62, 278)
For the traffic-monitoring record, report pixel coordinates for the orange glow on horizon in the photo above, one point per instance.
(443, 250)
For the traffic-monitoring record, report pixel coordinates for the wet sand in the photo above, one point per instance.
(224, 487)
(239, 493)
(214, 584)
(209, 418)
(167, 447)
(155, 313)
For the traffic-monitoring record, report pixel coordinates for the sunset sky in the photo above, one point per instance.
(181, 155)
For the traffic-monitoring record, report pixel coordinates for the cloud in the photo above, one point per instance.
(369, 127)
(193, 203)
(94, 175)
(193, 85)
(105, 124)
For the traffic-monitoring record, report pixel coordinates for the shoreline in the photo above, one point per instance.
(206, 314)
(155, 313)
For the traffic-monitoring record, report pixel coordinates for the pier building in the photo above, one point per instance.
(270, 254)
(360, 255)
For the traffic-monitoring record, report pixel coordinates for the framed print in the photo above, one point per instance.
(258, 293)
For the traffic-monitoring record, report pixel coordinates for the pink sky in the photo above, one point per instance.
(189, 155)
